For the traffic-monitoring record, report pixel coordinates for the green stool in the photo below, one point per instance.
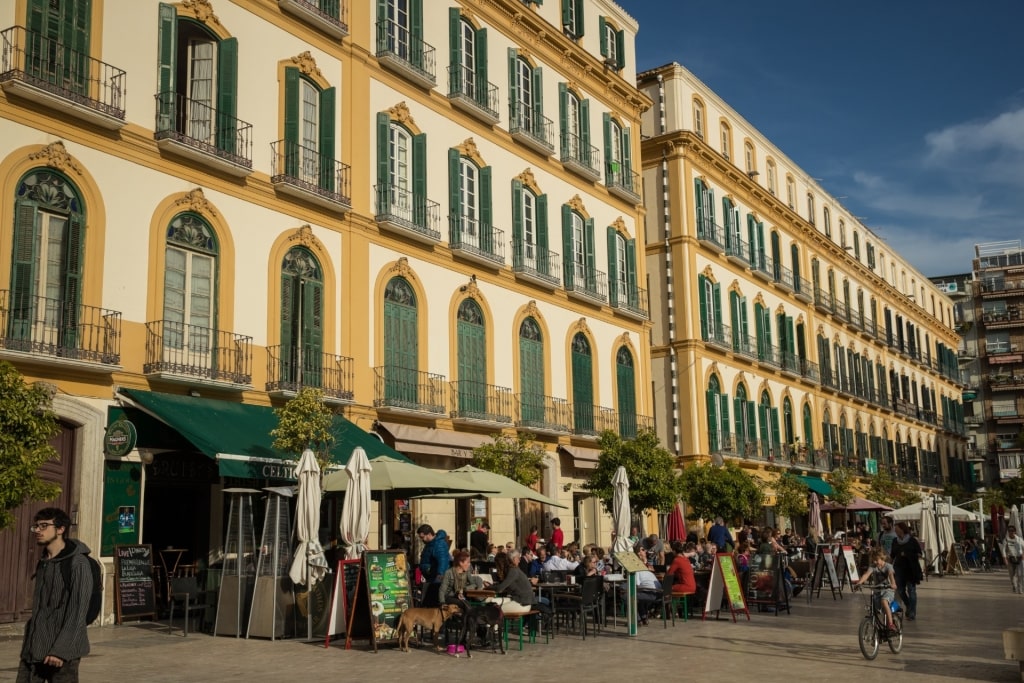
(684, 599)
(519, 619)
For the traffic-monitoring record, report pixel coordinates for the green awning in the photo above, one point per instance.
(237, 435)
(819, 486)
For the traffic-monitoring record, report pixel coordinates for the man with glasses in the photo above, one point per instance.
(55, 637)
(434, 562)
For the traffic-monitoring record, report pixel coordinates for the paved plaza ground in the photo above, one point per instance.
(957, 637)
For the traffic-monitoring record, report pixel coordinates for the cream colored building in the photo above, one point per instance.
(789, 335)
(432, 216)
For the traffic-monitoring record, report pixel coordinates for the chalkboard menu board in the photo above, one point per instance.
(134, 592)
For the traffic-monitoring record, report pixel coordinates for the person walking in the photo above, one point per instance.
(906, 563)
(434, 562)
(720, 536)
(55, 638)
(887, 535)
(1014, 549)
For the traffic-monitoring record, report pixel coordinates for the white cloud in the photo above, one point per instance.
(1002, 134)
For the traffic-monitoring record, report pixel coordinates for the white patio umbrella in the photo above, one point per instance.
(1015, 518)
(814, 525)
(355, 511)
(308, 564)
(620, 510)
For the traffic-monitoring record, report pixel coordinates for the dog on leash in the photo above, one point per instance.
(488, 615)
(425, 617)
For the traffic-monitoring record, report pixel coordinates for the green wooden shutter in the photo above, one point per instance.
(751, 421)
(789, 335)
(590, 250)
(585, 151)
(567, 13)
(744, 327)
(603, 34)
(582, 393)
(23, 271)
(454, 51)
(759, 331)
(291, 121)
(579, 27)
(472, 369)
(627, 400)
(531, 380)
(705, 332)
(567, 257)
(227, 95)
(518, 246)
(482, 84)
(401, 354)
(331, 8)
(734, 307)
(632, 295)
(416, 32)
(312, 333)
(486, 217)
(751, 240)
(716, 294)
(764, 416)
(419, 179)
(711, 398)
(328, 99)
(620, 48)
(723, 406)
(289, 315)
(703, 230)
(775, 426)
(613, 284)
(72, 286)
(543, 255)
(627, 161)
(537, 128)
(454, 195)
(737, 409)
(167, 52)
(383, 162)
(801, 342)
(563, 119)
(606, 121)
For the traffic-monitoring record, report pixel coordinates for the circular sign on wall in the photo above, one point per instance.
(120, 439)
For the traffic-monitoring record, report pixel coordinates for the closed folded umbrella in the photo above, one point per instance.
(814, 526)
(621, 515)
(309, 564)
(676, 529)
(355, 511)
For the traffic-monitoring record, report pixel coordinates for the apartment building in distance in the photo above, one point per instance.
(433, 216)
(787, 334)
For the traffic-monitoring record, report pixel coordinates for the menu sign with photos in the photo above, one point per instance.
(387, 581)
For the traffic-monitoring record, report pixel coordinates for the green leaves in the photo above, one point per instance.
(517, 457)
(727, 491)
(790, 496)
(841, 480)
(305, 422)
(653, 482)
(27, 423)
(886, 490)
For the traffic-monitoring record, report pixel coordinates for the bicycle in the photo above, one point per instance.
(874, 628)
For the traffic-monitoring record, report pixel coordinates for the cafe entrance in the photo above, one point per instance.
(177, 508)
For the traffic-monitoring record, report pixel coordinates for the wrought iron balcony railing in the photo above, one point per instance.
(536, 261)
(404, 209)
(480, 401)
(708, 231)
(195, 352)
(288, 370)
(782, 275)
(399, 49)
(629, 298)
(407, 389)
(310, 171)
(630, 425)
(737, 250)
(465, 86)
(591, 420)
(472, 237)
(331, 16)
(802, 288)
(588, 282)
(718, 335)
(579, 156)
(198, 125)
(61, 329)
(531, 128)
(544, 413)
(57, 69)
(622, 180)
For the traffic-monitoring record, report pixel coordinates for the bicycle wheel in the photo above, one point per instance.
(868, 638)
(896, 640)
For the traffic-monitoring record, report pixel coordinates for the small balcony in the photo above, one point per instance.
(718, 335)
(306, 174)
(479, 402)
(47, 72)
(399, 211)
(737, 251)
(580, 157)
(782, 276)
(191, 354)
(536, 264)
(631, 425)
(762, 266)
(809, 370)
(397, 389)
(531, 129)
(197, 131)
(289, 371)
(710, 235)
(473, 94)
(789, 363)
(59, 332)
(585, 284)
(1000, 348)
(630, 300)
(623, 182)
(330, 16)
(473, 241)
(1002, 319)
(824, 301)
(543, 414)
(590, 420)
(407, 55)
(1005, 381)
(802, 289)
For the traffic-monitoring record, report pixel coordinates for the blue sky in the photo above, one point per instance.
(911, 109)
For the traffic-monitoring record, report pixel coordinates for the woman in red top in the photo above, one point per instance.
(556, 534)
(681, 568)
(532, 539)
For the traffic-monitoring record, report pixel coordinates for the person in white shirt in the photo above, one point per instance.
(1014, 550)
(648, 590)
(558, 563)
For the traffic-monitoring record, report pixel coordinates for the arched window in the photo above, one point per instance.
(47, 265)
(190, 278)
(745, 421)
(698, 118)
(302, 320)
(718, 417)
(532, 404)
(472, 352)
(401, 344)
(625, 378)
(582, 385)
(769, 422)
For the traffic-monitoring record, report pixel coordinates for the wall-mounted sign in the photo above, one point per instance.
(120, 438)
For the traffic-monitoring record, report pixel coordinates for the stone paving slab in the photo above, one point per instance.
(957, 637)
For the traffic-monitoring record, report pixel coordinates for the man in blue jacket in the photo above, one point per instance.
(434, 562)
(55, 638)
(719, 535)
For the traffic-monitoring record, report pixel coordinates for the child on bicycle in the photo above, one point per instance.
(882, 573)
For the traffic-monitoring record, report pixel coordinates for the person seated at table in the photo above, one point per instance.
(501, 566)
(585, 568)
(518, 586)
(769, 543)
(537, 563)
(787, 537)
(707, 555)
(558, 563)
(742, 557)
(599, 562)
(648, 590)
(525, 558)
(457, 580)
(681, 568)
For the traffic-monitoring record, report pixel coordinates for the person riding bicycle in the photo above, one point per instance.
(882, 573)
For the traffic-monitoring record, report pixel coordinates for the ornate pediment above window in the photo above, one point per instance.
(196, 201)
(200, 10)
(55, 155)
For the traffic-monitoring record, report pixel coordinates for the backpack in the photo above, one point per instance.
(96, 595)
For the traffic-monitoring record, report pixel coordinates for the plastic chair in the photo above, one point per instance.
(586, 603)
(185, 592)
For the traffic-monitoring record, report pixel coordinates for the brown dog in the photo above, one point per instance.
(426, 617)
